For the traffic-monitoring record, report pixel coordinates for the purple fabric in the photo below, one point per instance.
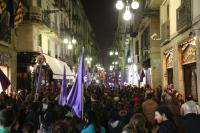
(142, 76)
(63, 92)
(10, 9)
(39, 80)
(4, 81)
(106, 81)
(74, 99)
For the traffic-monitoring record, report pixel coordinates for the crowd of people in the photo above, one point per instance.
(130, 109)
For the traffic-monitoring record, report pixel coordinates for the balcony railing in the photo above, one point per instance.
(165, 31)
(34, 15)
(183, 16)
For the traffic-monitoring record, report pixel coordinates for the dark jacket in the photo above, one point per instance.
(167, 127)
(191, 123)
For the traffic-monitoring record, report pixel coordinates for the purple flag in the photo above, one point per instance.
(4, 80)
(142, 75)
(63, 92)
(38, 85)
(10, 9)
(106, 81)
(74, 99)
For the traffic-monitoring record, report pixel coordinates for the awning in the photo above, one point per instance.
(57, 68)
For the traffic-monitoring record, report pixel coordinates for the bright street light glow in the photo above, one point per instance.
(111, 53)
(74, 41)
(135, 5)
(65, 40)
(116, 63)
(119, 5)
(69, 46)
(116, 53)
(127, 15)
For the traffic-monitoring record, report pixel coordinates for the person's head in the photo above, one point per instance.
(90, 117)
(28, 128)
(7, 118)
(137, 123)
(62, 127)
(189, 97)
(163, 113)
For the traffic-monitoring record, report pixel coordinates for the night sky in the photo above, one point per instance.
(103, 18)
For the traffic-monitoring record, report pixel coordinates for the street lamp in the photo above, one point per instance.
(111, 53)
(134, 4)
(88, 59)
(69, 42)
(127, 14)
(74, 41)
(119, 5)
(65, 40)
(69, 46)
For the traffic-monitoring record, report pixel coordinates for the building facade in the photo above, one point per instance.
(179, 22)
(8, 55)
(46, 23)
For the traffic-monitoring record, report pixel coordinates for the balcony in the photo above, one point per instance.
(50, 25)
(183, 16)
(34, 15)
(165, 31)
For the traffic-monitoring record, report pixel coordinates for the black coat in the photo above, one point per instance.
(191, 123)
(167, 127)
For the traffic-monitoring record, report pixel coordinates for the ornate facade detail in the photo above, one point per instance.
(189, 55)
(5, 59)
(169, 58)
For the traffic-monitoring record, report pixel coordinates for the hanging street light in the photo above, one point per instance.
(65, 40)
(119, 5)
(127, 15)
(135, 4)
(69, 46)
(74, 41)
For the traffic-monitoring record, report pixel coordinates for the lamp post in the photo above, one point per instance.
(69, 43)
(113, 53)
(134, 4)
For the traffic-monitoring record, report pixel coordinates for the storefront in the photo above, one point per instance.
(28, 70)
(188, 51)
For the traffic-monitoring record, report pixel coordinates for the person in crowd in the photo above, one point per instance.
(7, 120)
(166, 121)
(149, 106)
(114, 122)
(191, 122)
(92, 125)
(62, 127)
(33, 115)
(28, 128)
(189, 106)
(136, 124)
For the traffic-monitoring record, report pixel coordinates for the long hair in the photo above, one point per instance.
(92, 119)
(136, 124)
